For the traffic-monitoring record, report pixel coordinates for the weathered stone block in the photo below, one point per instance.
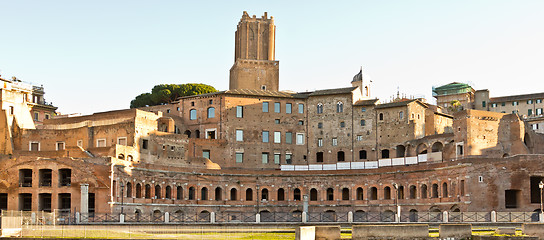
(305, 233)
(327, 232)
(455, 230)
(400, 231)
(533, 229)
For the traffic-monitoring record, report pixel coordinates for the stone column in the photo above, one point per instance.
(84, 208)
(305, 203)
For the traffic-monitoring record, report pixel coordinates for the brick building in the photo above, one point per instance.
(253, 148)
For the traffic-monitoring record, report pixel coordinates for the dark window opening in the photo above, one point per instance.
(249, 194)
(91, 203)
(281, 194)
(25, 177)
(413, 192)
(434, 191)
(444, 190)
(179, 193)
(319, 156)
(204, 193)
(373, 193)
(65, 177)
(65, 202)
(191, 193)
(147, 191)
(330, 194)
(359, 193)
(535, 190)
(423, 191)
(345, 194)
(168, 192)
(138, 190)
(264, 194)
(385, 153)
(45, 177)
(233, 194)
(387, 193)
(362, 154)
(341, 156)
(296, 194)
(218, 194)
(25, 202)
(3, 201)
(313, 194)
(400, 192)
(44, 202)
(145, 143)
(129, 189)
(512, 198)
(401, 150)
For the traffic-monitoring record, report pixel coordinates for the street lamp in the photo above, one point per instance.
(541, 186)
(396, 186)
(122, 196)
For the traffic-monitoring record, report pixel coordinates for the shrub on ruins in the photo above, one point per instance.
(167, 93)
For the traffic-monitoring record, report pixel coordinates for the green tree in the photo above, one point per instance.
(167, 93)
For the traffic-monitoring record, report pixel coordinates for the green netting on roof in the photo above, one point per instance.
(452, 88)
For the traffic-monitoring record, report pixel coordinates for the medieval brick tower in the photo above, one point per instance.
(254, 58)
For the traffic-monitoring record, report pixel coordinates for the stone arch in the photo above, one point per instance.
(387, 192)
(188, 133)
(297, 196)
(330, 194)
(313, 194)
(424, 191)
(158, 192)
(434, 191)
(421, 148)
(218, 194)
(281, 194)
(233, 194)
(373, 195)
(204, 193)
(192, 193)
(401, 151)
(264, 194)
(413, 192)
(359, 193)
(385, 153)
(437, 147)
(249, 194)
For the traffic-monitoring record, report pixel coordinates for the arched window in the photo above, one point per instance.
(381, 116)
(313, 194)
(339, 107)
(434, 193)
(197, 133)
(233, 194)
(296, 194)
(359, 193)
(340, 156)
(366, 91)
(330, 194)
(413, 192)
(362, 154)
(424, 191)
(401, 150)
(192, 114)
(147, 191)
(281, 194)
(345, 194)
(138, 190)
(168, 193)
(211, 112)
(421, 148)
(218, 194)
(373, 193)
(179, 193)
(129, 189)
(437, 147)
(319, 108)
(264, 194)
(188, 133)
(191, 193)
(157, 192)
(444, 190)
(387, 192)
(385, 153)
(204, 193)
(249, 194)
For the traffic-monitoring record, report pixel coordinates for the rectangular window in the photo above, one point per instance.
(494, 105)
(335, 141)
(239, 111)
(515, 103)
(319, 157)
(277, 158)
(60, 146)
(401, 115)
(363, 122)
(206, 154)
(277, 121)
(483, 104)
(101, 143)
(264, 157)
(288, 108)
(192, 114)
(539, 101)
(300, 138)
(277, 107)
(320, 142)
(342, 124)
(265, 106)
(239, 157)
(239, 135)
(36, 116)
(529, 112)
(529, 101)
(122, 141)
(359, 138)
(539, 111)
(145, 143)
(277, 137)
(503, 104)
(300, 122)
(300, 108)
(363, 109)
(288, 158)
(288, 137)
(265, 136)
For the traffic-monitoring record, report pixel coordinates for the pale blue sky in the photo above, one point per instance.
(98, 55)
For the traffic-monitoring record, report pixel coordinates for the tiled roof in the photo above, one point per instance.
(517, 97)
(368, 102)
(332, 91)
(399, 104)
